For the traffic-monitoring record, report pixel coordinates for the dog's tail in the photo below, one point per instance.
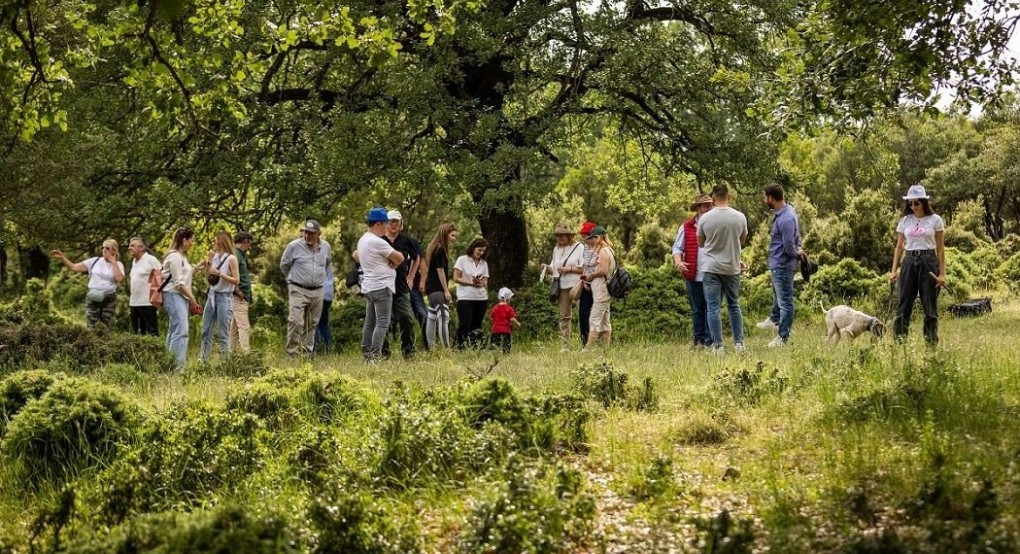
(821, 303)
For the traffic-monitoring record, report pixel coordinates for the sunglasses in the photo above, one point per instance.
(916, 203)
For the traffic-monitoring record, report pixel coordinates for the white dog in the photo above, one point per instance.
(844, 321)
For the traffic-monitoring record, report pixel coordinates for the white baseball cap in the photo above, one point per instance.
(505, 294)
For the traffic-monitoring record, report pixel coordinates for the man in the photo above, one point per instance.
(403, 319)
(784, 251)
(240, 329)
(378, 262)
(143, 314)
(689, 261)
(417, 272)
(304, 262)
(721, 233)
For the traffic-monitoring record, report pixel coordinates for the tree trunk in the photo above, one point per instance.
(3, 266)
(507, 233)
(34, 263)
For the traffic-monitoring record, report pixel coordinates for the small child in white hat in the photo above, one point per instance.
(504, 318)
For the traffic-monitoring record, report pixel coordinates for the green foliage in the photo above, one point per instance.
(181, 457)
(356, 521)
(651, 248)
(75, 425)
(847, 282)
(80, 349)
(224, 528)
(654, 481)
(238, 365)
(751, 386)
(606, 385)
(1009, 273)
(864, 231)
(33, 307)
(540, 508)
(18, 389)
(271, 404)
(656, 307)
(722, 535)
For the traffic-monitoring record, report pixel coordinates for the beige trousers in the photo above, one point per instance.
(305, 310)
(565, 304)
(240, 329)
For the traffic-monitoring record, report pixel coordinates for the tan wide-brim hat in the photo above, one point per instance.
(562, 229)
(701, 200)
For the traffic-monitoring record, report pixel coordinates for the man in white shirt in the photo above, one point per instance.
(143, 314)
(721, 233)
(379, 261)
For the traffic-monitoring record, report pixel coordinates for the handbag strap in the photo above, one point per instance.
(223, 261)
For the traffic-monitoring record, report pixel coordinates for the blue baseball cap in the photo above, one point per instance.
(378, 215)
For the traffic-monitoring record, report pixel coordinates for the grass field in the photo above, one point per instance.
(870, 447)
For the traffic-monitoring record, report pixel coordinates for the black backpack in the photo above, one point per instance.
(619, 285)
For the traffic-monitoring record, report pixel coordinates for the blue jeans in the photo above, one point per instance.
(378, 307)
(699, 313)
(216, 319)
(176, 306)
(716, 286)
(323, 336)
(782, 301)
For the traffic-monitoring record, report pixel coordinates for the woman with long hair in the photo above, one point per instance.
(105, 274)
(605, 266)
(221, 270)
(921, 251)
(178, 298)
(471, 273)
(436, 286)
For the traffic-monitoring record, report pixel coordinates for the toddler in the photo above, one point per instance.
(503, 317)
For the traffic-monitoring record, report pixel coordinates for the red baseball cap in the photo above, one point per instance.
(587, 227)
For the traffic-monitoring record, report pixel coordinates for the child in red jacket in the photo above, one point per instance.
(503, 317)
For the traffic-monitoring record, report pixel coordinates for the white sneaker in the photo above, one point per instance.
(767, 324)
(777, 342)
(564, 350)
(718, 351)
(738, 347)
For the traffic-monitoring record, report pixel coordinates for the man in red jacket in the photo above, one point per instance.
(687, 259)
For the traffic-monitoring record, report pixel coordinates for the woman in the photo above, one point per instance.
(221, 269)
(436, 286)
(105, 274)
(177, 295)
(471, 273)
(605, 266)
(919, 263)
(567, 265)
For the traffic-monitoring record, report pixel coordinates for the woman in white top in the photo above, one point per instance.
(178, 298)
(105, 274)
(471, 273)
(920, 250)
(221, 270)
(567, 265)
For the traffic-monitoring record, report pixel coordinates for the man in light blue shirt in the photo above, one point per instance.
(784, 253)
(304, 262)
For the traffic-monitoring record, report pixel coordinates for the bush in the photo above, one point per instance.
(657, 307)
(17, 389)
(238, 365)
(182, 457)
(545, 422)
(751, 385)
(227, 528)
(359, 522)
(539, 508)
(74, 425)
(269, 403)
(82, 350)
(609, 387)
(651, 248)
(847, 282)
(1009, 272)
(34, 306)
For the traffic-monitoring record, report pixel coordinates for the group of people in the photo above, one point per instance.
(707, 253)
(225, 317)
(397, 276)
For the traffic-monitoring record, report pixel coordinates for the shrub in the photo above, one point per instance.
(330, 399)
(74, 425)
(654, 481)
(539, 508)
(656, 308)
(227, 528)
(751, 385)
(80, 349)
(544, 422)
(609, 387)
(187, 454)
(346, 319)
(1009, 272)
(847, 282)
(34, 306)
(269, 403)
(17, 389)
(238, 365)
(651, 248)
(358, 522)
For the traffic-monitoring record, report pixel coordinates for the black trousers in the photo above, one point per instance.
(584, 313)
(502, 341)
(402, 322)
(470, 315)
(915, 281)
(144, 320)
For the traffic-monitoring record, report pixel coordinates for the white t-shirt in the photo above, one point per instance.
(469, 270)
(140, 270)
(919, 234)
(569, 256)
(101, 274)
(721, 229)
(374, 253)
